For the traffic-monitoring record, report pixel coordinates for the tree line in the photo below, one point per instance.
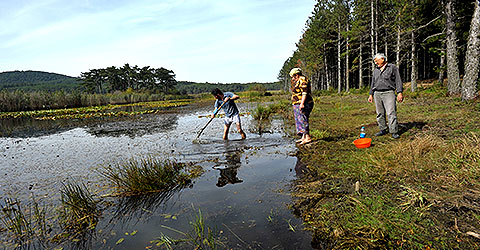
(111, 79)
(185, 87)
(425, 38)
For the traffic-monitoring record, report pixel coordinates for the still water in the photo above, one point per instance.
(243, 194)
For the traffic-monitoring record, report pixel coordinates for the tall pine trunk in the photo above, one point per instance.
(442, 65)
(376, 26)
(372, 28)
(347, 66)
(326, 67)
(360, 66)
(453, 74)
(397, 48)
(469, 84)
(414, 73)
(339, 59)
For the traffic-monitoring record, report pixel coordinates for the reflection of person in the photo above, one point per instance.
(302, 104)
(386, 79)
(228, 175)
(231, 111)
(300, 168)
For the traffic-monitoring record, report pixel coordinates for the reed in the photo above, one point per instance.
(137, 177)
(79, 210)
(262, 113)
(27, 225)
(12, 101)
(200, 236)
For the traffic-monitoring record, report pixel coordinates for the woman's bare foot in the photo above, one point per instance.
(305, 142)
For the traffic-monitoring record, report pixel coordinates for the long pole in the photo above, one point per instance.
(214, 114)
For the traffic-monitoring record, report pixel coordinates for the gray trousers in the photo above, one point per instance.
(386, 106)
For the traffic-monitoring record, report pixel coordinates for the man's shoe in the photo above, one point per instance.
(395, 136)
(382, 132)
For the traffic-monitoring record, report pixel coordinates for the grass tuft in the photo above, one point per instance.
(79, 210)
(200, 236)
(137, 177)
(25, 224)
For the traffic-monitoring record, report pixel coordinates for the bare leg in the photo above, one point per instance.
(239, 128)
(226, 127)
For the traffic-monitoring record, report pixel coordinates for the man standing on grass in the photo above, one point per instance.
(231, 111)
(386, 80)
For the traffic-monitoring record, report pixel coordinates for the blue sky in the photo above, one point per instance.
(200, 40)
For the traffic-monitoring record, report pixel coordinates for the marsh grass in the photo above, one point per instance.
(148, 175)
(200, 236)
(418, 192)
(12, 101)
(28, 225)
(110, 110)
(263, 113)
(79, 210)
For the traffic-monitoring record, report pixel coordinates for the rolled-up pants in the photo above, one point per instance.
(386, 106)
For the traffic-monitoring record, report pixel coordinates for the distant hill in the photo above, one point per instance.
(37, 81)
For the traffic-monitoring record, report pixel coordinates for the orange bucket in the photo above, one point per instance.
(363, 142)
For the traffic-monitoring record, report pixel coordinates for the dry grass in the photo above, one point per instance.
(418, 192)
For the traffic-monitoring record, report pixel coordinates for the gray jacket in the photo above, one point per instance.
(388, 79)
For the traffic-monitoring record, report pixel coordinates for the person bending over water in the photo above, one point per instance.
(231, 111)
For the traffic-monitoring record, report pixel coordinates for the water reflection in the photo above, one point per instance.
(30, 127)
(136, 207)
(228, 172)
(135, 126)
(301, 168)
(105, 126)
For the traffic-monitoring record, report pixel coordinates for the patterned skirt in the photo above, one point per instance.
(301, 118)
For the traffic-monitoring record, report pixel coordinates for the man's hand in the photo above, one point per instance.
(213, 115)
(302, 106)
(400, 97)
(226, 99)
(370, 98)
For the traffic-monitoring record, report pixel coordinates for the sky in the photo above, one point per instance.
(224, 41)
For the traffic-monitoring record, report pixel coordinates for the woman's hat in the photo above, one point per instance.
(295, 71)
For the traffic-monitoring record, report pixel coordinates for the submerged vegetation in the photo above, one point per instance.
(418, 192)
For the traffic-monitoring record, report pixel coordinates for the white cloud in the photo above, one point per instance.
(243, 41)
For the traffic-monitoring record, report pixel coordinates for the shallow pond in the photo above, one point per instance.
(243, 193)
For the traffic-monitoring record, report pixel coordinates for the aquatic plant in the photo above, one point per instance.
(25, 223)
(79, 210)
(200, 236)
(143, 176)
(96, 111)
(262, 113)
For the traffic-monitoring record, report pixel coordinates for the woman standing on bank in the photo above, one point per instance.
(302, 104)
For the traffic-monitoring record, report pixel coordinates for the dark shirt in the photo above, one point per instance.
(388, 79)
(230, 107)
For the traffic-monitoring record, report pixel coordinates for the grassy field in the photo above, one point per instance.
(421, 191)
